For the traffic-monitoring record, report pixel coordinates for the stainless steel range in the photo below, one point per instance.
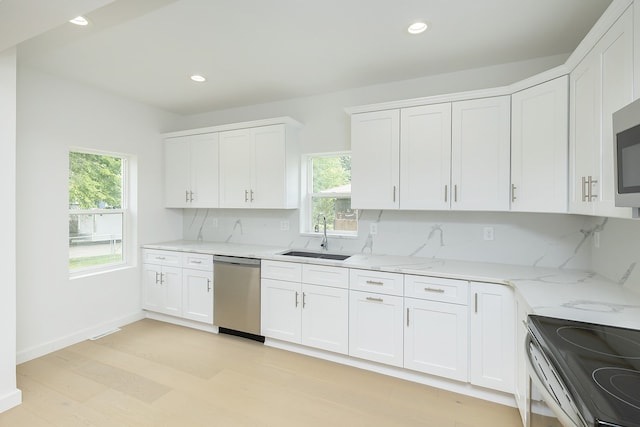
(588, 374)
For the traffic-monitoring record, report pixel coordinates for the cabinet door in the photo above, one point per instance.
(281, 307)
(425, 157)
(197, 295)
(268, 183)
(176, 173)
(492, 337)
(153, 297)
(235, 168)
(325, 318)
(375, 150)
(480, 165)
(616, 62)
(375, 327)
(435, 340)
(203, 160)
(539, 147)
(584, 132)
(171, 282)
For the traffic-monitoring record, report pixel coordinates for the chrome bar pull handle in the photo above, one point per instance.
(191, 196)
(446, 193)
(186, 196)
(584, 192)
(304, 299)
(394, 194)
(246, 195)
(297, 298)
(591, 182)
(251, 198)
(208, 285)
(455, 193)
(476, 302)
(375, 282)
(407, 317)
(374, 299)
(437, 290)
(513, 193)
(156, 277)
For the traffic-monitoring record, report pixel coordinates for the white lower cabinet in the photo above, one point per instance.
(306, 313)
(197, 295)
(492, 337)
(436, 332)
(168, 288)
(375, 327)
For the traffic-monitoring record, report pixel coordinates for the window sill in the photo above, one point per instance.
(330, 235)
(80, 274)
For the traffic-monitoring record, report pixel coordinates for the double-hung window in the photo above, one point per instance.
(329, 195)
(97, 211)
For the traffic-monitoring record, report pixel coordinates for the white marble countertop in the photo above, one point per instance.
(570, 294)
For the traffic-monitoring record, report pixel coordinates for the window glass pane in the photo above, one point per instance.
(331, 174)
(95, 181)
(340, 216)
(95, 239)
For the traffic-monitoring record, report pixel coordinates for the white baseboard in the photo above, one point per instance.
(11, 399)
(84, 334)
(181, 322)
(405, 374)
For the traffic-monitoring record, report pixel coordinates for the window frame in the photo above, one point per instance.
(124, 211)
(307, 220)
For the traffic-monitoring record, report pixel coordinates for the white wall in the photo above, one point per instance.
(9, 395)
(54, 115)
(327, 126)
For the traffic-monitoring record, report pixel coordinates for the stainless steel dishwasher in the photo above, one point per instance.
(236, 296)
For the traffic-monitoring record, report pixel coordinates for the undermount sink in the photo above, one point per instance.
(320, 255)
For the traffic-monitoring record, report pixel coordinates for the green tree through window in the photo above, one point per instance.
(96, 210)
(330, 188)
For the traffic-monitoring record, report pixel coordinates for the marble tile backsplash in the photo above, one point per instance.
(545, 240)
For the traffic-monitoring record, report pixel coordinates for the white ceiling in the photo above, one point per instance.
(255, 51)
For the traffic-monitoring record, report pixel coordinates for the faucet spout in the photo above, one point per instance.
(325, 243)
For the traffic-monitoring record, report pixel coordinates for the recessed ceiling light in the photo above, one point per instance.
(79, 20)
(417, 28)
(198, 78)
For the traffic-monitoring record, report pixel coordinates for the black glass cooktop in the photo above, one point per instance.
(599, 364)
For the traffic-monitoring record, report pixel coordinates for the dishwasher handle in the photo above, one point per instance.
(250, 262)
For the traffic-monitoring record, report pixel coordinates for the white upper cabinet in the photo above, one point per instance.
(480, 166)
(539, 147)
(425, 157)
(259, 168)
(191, 171)
(601, 84)
(442, 156)
(375, 176)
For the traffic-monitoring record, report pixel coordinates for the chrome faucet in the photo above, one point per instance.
(325, 243)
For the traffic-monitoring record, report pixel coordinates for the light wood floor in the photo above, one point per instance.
(157, 374)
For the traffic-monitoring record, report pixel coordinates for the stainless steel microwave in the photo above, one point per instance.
(626, 154)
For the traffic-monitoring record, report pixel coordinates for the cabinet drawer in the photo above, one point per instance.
(197, 261)
(436, 289)
(158, 257)
(324, 275)
(376, 281)
(279, 270)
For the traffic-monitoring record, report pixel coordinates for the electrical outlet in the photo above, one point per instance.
(284, 225)
(488, 233)
(373, 229)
